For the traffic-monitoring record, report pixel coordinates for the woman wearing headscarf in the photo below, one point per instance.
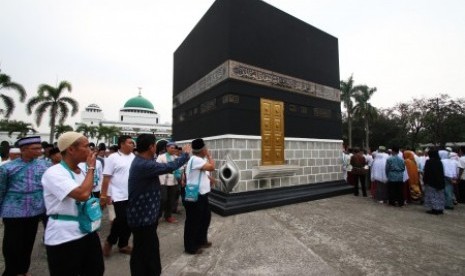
(378, 175)
(433, 178)
(450, 177)
(413, 181)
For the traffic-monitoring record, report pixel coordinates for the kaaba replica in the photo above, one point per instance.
(262, 89)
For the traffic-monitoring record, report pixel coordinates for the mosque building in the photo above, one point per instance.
(137, 116)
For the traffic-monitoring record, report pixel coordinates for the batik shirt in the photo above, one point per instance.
(144, 189)
(395, 168)
(21, 192)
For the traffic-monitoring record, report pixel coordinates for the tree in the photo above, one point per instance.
(347, 93)
(364, 109)
(50, 98)
(88, 131)
(5, 84)
(107, 132)
(441, 111)
(12, 126)
(454, 126)
(411, 117)
(387, 129)
(435, 120)
(60, 129)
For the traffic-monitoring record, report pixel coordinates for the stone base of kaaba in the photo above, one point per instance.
(226, 204)
(312, 170)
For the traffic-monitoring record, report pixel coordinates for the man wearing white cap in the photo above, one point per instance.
(13, 154)
(70, 251)
(21, 204)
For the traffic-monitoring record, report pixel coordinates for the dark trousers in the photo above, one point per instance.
(145, 256)
(355, 178)
(396, 193)
(168, 196)
(78, 257)
(461, 191)
(198, 217)
(120, 231)
(18, 241)
(176, 198)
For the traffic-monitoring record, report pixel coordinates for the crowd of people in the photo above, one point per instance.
(66, 186)
(434, 177)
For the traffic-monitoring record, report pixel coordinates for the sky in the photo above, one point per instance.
(108, 49)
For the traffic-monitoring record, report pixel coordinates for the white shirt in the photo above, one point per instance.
(167, 179)
(98, 174)
(450, 168)
(421, 163)
(369, 159)
(346, 162)
(462, 166)
(378, 169)
(192, 176)
(58, 183)
(117, 166)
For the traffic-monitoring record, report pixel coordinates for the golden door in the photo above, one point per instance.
(272, 128)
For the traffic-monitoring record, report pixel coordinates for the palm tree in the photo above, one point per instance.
(6, 83)
(364, 109)
(107, 132)
(12, 126)
(60, 129)
(49, 98)
(88, 131)
(347, 93)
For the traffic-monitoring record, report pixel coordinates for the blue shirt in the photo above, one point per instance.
(395, 168)
(21, 192)
(144, 189)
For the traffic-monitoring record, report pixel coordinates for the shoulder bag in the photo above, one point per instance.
(192, 189)
(89, 212)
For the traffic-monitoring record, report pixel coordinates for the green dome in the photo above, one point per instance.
(139, 102)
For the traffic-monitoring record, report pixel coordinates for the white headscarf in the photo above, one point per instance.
(378, 168)
(444, 154)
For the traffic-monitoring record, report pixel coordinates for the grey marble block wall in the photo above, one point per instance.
(316, 160)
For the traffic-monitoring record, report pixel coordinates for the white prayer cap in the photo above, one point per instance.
(67, 139)
(15, 150)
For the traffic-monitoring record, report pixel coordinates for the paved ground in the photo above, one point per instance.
(344, 235)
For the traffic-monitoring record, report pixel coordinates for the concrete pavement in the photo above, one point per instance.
(343, 235)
